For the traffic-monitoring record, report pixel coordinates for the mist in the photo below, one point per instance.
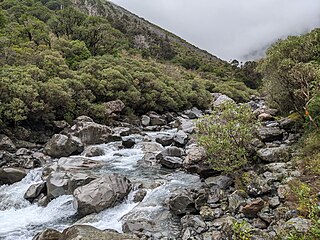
(230, 29)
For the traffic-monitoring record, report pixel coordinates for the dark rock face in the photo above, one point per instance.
(11, 175)
(63, 146)
(101, 193)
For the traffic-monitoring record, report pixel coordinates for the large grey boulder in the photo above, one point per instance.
(34, 191)
(113, 107)
(165, 139)
(275, 154)
(48, 234)
(150, 150)
(298, 224)
(77, 164)
(6, 144)
(156, 119)
(269, 134)
(145, 120)
(171, 162)
(64, 183)
(101, 193)
(181, 203)
(180, 138)
(93, 151)
(220, 181)
(194, 113)
(90, 132)
(12, 175)
(220, 100)
(63, 146)
(186, 125)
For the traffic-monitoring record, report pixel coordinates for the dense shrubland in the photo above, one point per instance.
(57, 63)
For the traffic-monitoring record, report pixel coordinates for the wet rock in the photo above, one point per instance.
(90, 132)
(93, 151)
(10, 175)
(34, 191)
(6, 144)
(77, 164)
(114, 107)
(48, 234)
(221, 181)
(63, 146)
(128, 142)
(171, 162)
(301, 225)
(165, 139)
(139, 196)
(64, 183)
(181, 203)
(170, 151)
(101, 193)
(236, 200)
(150, 150)
(180, 138)
(275, 154)
(86, 232)
(145, 120)
(220, 100)
(156, 119)
(269, 134)
(251, 209)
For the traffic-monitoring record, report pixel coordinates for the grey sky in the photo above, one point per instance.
(230, 29)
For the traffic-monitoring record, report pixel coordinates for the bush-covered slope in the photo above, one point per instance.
(58, 62)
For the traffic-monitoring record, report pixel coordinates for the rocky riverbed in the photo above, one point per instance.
(145, 181)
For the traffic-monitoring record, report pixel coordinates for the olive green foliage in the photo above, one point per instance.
(57, 62)
(226, 134)
(241, 230)
(291, 72)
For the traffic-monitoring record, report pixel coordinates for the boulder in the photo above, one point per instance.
(236, 200)
(139, 195)
(298, 224)
(258, 187)
(93, 151)
(82, 119)
(63, 146)
(86, 232)
(101, 193)
(10, 175)
(145, 120)
(181, 203)
(48, 234)
(156, 119)
(5, 158)
(64, 183)
(251, 209)
(60, 125)
(275, 154)
(194, 113)
(165, 139)
(180, 138)
(90, 132)
(6, 144)
(269, 134)
(195, 222)
(171, 162)
(150, 150)
(34, 191)
(186, 125)
(170, 151)
(221, 181)
(195, 154)
(265, 117)
(114, 107)
(128, 142)
(220, 100)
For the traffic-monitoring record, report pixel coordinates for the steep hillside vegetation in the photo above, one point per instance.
(58, 62)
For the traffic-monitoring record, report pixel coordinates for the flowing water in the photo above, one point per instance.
(21, 220)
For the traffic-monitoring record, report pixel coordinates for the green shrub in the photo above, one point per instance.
(225, 135)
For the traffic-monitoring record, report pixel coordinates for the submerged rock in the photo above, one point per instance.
(101, 193)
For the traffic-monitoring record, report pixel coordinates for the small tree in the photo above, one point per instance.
(226, 135)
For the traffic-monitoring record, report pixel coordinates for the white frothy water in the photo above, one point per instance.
(21, 220)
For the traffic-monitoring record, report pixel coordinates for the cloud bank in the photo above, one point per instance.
(230, 29)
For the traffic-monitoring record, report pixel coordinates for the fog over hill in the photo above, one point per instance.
(230, 29)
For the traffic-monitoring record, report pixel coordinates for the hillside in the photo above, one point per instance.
(62, 59)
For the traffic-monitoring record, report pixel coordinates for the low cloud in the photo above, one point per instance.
(230, 29)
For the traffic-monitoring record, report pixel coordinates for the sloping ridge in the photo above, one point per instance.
(133, 23)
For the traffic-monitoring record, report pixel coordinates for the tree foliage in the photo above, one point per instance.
(226, 134)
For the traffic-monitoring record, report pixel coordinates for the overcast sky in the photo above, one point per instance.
(230, 29)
